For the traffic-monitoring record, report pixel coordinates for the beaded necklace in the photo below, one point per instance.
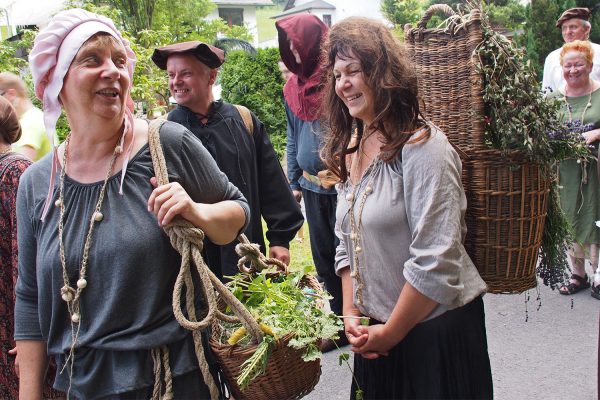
(569, 107)
(68, 293)
(355, 234)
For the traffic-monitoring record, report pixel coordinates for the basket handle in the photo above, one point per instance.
(444, 8)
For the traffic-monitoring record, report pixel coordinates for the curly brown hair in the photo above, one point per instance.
(389, 72)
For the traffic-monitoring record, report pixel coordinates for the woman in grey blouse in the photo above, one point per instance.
(96, 272)
(400, 221)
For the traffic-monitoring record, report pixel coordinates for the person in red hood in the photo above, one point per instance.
(300, 38)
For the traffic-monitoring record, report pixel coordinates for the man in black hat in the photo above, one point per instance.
(575, 25)
(238, 142)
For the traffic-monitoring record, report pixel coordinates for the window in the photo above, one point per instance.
(327, 19)
(233, 16)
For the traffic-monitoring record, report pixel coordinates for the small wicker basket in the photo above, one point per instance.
(506, 193)
(287, 375)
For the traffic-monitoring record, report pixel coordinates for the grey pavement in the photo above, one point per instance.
(552, 355)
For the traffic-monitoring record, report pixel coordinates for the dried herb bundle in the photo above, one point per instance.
(519, 117)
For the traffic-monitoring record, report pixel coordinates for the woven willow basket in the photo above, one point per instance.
(506, 193)
(287, 376)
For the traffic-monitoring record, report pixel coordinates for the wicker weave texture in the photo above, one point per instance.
(287, 376)
(449, 81)
(507, 203)
(506, 194)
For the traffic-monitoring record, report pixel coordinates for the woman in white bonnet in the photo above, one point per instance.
(96, 271)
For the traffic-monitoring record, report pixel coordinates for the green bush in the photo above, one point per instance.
(255, 82)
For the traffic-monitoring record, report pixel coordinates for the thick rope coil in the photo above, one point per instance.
(188, 241)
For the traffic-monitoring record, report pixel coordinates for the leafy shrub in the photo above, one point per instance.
(256, 83)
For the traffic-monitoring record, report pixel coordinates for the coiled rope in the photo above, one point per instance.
(188, 240)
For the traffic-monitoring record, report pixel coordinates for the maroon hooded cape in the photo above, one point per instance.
(302, 91)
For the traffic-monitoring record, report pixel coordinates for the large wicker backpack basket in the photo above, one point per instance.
(506, 193)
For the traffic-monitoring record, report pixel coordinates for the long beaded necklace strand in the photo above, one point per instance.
(569, 107)
(355, 235)
(69, 294)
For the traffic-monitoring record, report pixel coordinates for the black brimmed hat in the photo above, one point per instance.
(209, 55)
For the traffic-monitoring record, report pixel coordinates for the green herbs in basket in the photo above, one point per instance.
(283, 306)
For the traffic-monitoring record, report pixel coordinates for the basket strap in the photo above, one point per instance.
(444, 8)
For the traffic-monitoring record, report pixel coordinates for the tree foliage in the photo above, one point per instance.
(541, 32)
(256, 83)
(509, 14)
(150, 84)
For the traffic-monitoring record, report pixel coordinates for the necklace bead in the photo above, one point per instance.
(68, 293)
(570, 107)
(350, 196)
(369, 190)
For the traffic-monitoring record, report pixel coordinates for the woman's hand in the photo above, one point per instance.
(221, 221)
(591, 136)
(356, 336)
(378, 343)
(168, 201)
(13, 352)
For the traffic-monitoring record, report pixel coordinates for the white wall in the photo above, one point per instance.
(347, 8)
(249, 19)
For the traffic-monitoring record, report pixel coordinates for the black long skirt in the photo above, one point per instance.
(443, 358)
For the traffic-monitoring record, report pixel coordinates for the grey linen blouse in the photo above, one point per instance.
(126, 307)
(412, 230)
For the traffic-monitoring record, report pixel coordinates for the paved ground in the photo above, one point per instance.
(552, 355)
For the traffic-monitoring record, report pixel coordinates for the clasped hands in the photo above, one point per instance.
(371, 342)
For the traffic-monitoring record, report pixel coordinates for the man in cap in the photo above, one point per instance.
(239, 144)
(575, 25)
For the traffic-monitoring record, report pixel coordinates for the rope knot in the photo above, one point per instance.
(182, 233)
(250, 253)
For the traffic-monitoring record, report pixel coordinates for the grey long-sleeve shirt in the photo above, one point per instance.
(126, 306)
(412, 230)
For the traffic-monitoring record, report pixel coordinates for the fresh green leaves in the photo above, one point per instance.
(257, 363)
(288, 307)
(343, 357)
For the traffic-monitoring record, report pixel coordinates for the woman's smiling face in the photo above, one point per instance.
(352, 88)
(576, 69)
(97, 82)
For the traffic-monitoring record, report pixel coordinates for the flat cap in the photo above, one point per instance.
(578, 12)
(209, 55)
